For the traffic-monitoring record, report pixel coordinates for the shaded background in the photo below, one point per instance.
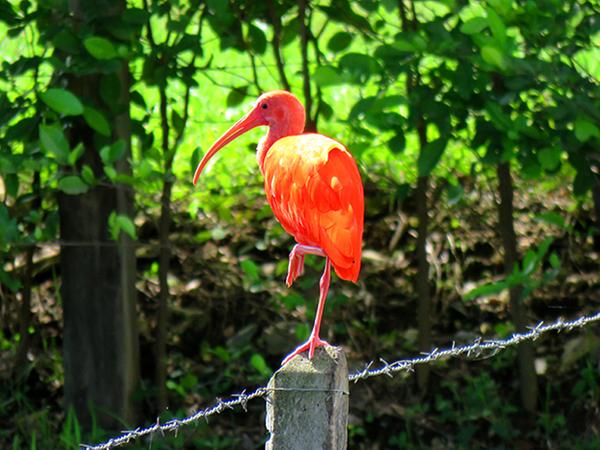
(126, 294)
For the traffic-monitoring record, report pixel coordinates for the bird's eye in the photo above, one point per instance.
(264, 106)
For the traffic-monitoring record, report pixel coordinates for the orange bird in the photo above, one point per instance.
(314, 188)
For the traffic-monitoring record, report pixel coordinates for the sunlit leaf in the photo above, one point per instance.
(474, 25)
(99, 47)
(326, 76)
(430, 155)
(259, 363)
(493, 56)
(62, 101)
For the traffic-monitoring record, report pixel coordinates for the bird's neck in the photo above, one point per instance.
(272, 136)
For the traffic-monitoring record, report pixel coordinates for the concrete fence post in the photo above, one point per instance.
(307, 403)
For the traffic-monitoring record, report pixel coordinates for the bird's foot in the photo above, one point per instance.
(295, 267)
(311, 345)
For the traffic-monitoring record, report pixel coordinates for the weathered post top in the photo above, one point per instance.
(307, 406)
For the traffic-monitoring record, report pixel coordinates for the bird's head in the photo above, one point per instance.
(281, 111)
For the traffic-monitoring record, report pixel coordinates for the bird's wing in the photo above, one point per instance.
(314, 188)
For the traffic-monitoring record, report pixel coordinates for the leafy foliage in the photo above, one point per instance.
(498, 82)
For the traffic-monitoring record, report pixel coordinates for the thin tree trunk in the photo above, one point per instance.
(526, 355)
(596, 200)
(169, 152)
(424, 306)
(304, 30)
(276, 44)
(164, 258)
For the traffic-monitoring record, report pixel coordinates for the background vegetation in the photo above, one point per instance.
(126, 294)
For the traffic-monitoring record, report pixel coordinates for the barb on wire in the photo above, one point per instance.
(234, 400)
(476, 349)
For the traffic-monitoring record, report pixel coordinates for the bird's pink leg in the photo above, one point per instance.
(314, 341)
(296, 264)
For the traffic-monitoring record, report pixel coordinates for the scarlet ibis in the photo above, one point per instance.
(314, 188)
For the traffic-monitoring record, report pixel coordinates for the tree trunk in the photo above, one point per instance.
(275, 20)
(424, 308)
(596, 200)
(100, 347)
(311, 125)
(526, 355)
(163, 264)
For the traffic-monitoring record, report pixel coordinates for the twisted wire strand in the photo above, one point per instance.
(476, 349)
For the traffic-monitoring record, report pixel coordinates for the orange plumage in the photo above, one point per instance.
(314, 188)
(315, 191)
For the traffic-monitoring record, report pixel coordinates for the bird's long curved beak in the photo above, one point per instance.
(251, 120)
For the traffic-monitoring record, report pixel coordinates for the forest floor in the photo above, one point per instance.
(232, 320)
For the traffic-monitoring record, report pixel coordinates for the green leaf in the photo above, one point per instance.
(584, 179)
(62, 101)
(87, 174)
(497, 26)
(250, 269)
(326, 76)
(11, 184)
(474, 25)
(584, 129)
(486, 289)
(53, 142)
(135, 15)
(339, 41)
(529, 263)
(455, 193)
(500, 120)
(549, 158)
(126, 224)
(552, 218)
(96, 120)
(430, 156)
(111, 153)
(397, 143)
(493, 56)
(177, 121)
(554, 260)
(359, 66)
(259, 363)
(236, 96)
(76, 154)
(118, 223)
(72, 185)
(99, 47)
(256, 39)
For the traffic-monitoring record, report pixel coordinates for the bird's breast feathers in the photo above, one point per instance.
(314, 188)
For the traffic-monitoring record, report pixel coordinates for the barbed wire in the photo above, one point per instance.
(477, 348)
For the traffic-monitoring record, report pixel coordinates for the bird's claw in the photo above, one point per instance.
(295, 268)
(311, 345)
